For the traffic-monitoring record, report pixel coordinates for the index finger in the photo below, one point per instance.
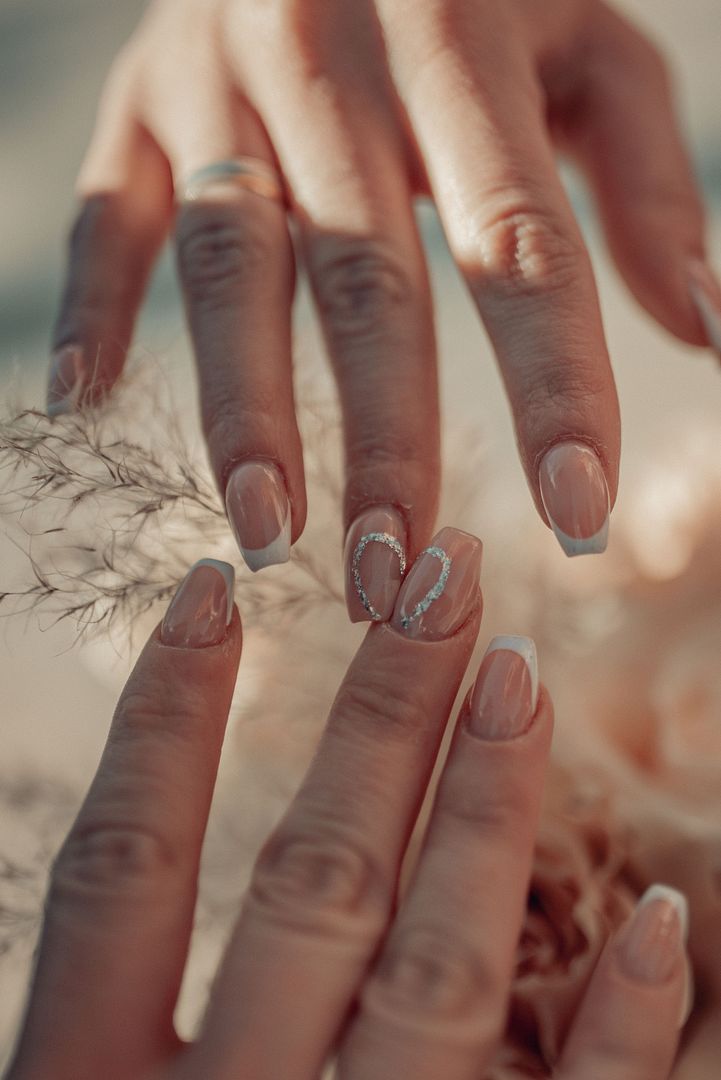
(122, 894)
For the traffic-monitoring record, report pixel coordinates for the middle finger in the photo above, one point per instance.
(324, 885)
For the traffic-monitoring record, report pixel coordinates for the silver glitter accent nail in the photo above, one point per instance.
(374, 538)
(437, 590)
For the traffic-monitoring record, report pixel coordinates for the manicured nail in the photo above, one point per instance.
(650, 946)
(706, 294)
(441, 589)
(258, 509)
(201, 610)
(505, 696)
(65, 383)
(375, 562)
(575, 496)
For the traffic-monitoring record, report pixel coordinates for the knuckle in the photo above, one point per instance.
(572, 388)
(217, 253)
(428, 972)
(389, 706)
(304, 880)
(526, 250)
(106, 857)
(361, 290)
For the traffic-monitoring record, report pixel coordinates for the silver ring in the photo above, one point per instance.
(252, 174)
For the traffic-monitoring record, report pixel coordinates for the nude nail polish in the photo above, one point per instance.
(258, 508)
(200, 612)
(505, 696)
(706, 294)
(375, 561)
(575, 497)
(441, 590)
(651, 944)
(65, 382)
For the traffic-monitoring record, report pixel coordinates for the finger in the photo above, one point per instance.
(323, 888)
(478, 113)
(330, 118)
(126, 203)
(639, 168)
(435, 1004)
(122, 894)
(236, 266)
(629, 1022)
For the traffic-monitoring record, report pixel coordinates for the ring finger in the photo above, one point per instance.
(436, 1002)
(236, 265)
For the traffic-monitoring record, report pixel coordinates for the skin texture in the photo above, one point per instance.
(324, 954)
(362, 105)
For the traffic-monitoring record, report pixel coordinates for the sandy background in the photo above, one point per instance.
(56, 703)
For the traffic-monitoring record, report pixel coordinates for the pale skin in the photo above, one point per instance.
(324, 957)
(361, 106)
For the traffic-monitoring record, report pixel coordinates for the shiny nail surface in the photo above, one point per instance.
(706, 294)
(201, 610)
(441, 589)
(375, 561)
(65, 382)
(505, 695)
(575, 497)
(258, 509)
(650, 946)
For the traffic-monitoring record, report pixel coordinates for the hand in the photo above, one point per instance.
(362, 104)
(322, 957)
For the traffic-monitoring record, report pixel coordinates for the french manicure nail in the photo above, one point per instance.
(375, 561)
(575, 497)
(706, 294)
(258, 508)
(201, 610)
(651, 944)
(65, 383)
(441, 589)
(505, 696)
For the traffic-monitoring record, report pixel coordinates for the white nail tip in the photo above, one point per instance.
(588, 545)
(710, 316)
(274, 553)
(670, 896)
(228, 574)
(525, 647)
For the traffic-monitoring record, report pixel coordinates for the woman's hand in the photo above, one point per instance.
(362, 104)
(323, 957)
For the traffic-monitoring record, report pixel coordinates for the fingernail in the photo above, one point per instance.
(706, 294)
(505, 696)
(65, 382)
(441, 589)
(575, 496)
(650, 946)
(375, 562)
(258, 509)
(201, 610)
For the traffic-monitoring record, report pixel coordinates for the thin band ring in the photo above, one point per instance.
(250, 173)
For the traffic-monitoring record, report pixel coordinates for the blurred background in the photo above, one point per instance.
(53, 57)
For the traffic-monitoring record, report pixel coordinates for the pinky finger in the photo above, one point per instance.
(629, 1022)
(126, 207)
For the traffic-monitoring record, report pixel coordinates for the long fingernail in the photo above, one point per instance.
(201, 610)
(575, 496)
(505, 696)
(258, 508)
(65, 383)
(441, 589)
(706, 294)
(650, 946)
(375, 561)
